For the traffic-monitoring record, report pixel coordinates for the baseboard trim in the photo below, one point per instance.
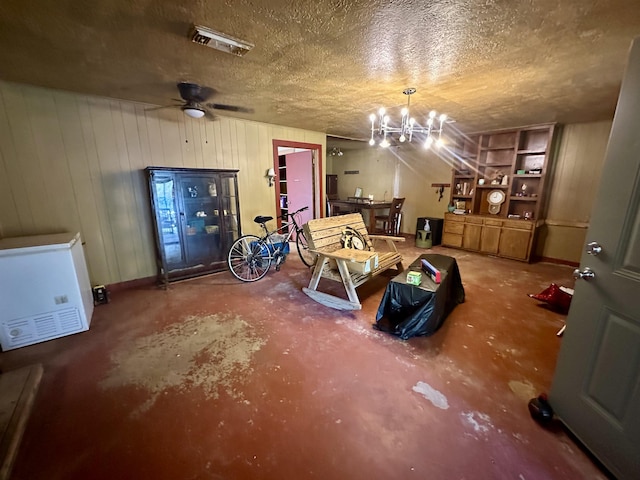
(138, 282)
(558, 261)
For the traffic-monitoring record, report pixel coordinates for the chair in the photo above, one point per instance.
(391, 222)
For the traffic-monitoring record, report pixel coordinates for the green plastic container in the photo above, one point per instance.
(423, 239)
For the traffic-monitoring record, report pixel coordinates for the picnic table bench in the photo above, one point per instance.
(350, 266)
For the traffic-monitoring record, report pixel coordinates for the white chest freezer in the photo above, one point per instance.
(45, 292)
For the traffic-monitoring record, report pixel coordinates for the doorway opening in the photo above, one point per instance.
(298, 168)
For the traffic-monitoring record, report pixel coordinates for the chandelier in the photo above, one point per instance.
(335, 152)
(408, 126)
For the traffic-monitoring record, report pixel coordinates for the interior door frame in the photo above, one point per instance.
(316, 181)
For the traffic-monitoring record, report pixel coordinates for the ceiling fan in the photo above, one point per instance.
(194, 98)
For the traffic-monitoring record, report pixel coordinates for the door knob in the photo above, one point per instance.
(594, 248)
(587, 273)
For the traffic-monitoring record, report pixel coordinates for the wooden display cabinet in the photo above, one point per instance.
(508, 167)
(196, 216)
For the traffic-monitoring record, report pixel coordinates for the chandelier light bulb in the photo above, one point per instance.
(404, 111)
(439, 143)
(443, 117)
(412, 121)
(430, 121)
(384, 143)
(432, 114)
(428, 142)
(402, 138)
(382, 111)
(372, 117)
(372, 142)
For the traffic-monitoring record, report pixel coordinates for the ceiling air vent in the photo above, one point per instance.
(219, 41)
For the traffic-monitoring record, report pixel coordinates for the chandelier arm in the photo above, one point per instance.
(407, 126)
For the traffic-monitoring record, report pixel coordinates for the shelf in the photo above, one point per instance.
(466, 176)
(530, 152)
(490, 149)
(462, 196)
(492, 186)
(527, 175)
(492, 165)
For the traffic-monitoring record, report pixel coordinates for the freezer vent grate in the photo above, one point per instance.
(45, 325)
(69, 320)
(18, 331)
(37, 328)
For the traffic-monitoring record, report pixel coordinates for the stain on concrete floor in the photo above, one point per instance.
(211, 352)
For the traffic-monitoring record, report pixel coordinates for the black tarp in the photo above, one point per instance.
(414, 310)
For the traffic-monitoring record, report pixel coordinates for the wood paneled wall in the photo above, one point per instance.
(572, 189)
(71, 162)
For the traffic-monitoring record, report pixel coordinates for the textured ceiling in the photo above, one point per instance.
(325, 65)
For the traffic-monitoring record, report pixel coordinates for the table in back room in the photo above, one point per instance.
(414, 310)
(360, 206)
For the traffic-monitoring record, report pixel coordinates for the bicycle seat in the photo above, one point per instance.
(261, 219)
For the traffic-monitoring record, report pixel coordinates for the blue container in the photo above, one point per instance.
(283, 246)
(272, 248)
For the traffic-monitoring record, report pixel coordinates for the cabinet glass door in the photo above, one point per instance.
(229, 208)
(200, 217)
(167, 208)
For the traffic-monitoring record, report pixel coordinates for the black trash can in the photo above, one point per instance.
(435, 224)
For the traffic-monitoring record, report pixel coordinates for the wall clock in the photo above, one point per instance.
(495, 198)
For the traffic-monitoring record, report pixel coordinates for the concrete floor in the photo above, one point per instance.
(216, 379)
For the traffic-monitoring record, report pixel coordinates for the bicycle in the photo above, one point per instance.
(251, 256)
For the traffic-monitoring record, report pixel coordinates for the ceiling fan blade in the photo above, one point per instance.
(230, 108)
(192, 92)
(160, 108)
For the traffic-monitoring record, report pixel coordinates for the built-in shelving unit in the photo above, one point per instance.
(514, 163)
(282, 175)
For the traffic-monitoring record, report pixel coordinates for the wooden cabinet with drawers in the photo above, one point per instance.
(495, 236)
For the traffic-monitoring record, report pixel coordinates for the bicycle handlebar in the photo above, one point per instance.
(284, 217)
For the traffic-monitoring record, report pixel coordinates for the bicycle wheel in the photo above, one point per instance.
(308, 258)
(249, 258)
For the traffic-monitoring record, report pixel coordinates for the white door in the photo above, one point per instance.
(596, 388)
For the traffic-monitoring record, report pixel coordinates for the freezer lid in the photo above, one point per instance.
(37, 243)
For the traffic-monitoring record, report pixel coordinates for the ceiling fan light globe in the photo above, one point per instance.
(194, 112)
